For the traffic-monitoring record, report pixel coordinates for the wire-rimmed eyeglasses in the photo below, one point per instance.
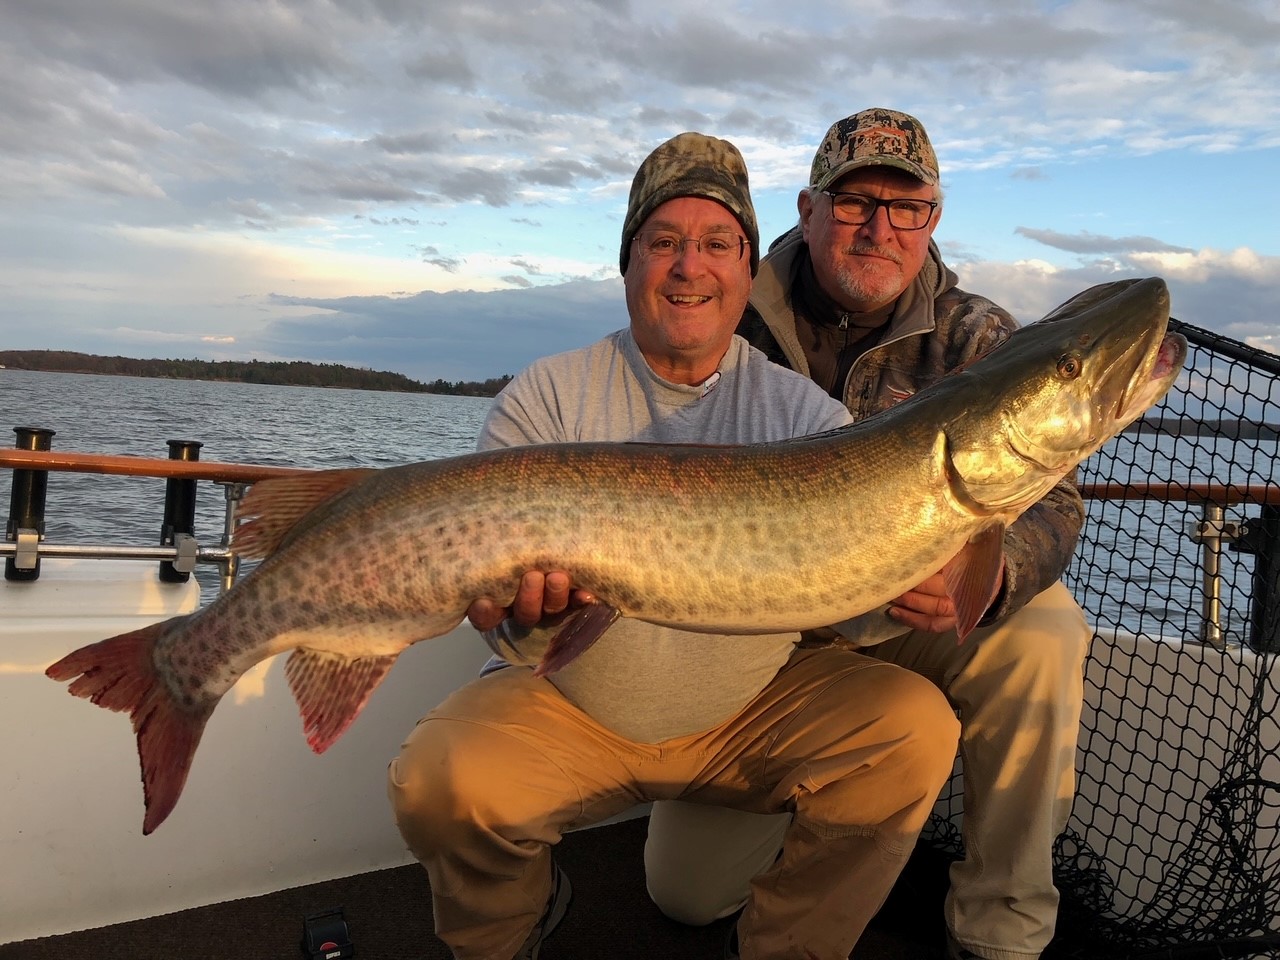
(660, 245)
(856, 209)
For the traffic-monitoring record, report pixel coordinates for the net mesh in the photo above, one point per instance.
(1172, 849)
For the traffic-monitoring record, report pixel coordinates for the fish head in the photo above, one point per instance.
(1056, 390)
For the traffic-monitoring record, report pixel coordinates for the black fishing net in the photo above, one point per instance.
(1173, 847)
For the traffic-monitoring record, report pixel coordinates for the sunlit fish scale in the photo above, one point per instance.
(359, 564)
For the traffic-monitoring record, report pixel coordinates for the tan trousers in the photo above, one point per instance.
(1018, 688)
(855, 749)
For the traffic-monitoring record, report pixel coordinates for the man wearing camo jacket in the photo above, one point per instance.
(857, 298)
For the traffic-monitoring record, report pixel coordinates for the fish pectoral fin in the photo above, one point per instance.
(331, 690)
(973, 577)
(276, 505)
(583, 627)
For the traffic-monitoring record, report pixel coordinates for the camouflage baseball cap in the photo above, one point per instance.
(691, 165)
(874, 137)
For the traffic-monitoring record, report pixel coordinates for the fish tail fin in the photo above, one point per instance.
(119, 674)
(331, 690)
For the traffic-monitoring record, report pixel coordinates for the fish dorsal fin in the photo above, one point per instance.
(584, 627)
(972, 576)
(331, 690)
(276, 506)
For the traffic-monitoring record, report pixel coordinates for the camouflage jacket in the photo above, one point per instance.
(935, 328)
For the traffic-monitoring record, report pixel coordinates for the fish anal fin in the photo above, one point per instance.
(331, 690)
(972, 577)
(579, 631)
(277, 504)
(118, 673)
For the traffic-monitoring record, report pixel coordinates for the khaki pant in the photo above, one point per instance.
(1018, 688)
(854, 749)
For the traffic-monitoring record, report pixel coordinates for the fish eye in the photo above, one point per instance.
(1069, 366)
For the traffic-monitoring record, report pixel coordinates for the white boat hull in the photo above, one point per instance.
(260, 811)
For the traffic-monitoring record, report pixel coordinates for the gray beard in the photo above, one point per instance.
(860, 288)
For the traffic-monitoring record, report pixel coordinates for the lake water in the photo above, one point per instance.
(236, 422)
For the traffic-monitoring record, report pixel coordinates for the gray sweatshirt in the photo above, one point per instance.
(646, 682)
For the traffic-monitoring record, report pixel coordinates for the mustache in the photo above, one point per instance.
(865, 248)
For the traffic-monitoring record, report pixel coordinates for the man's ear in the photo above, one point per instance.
(804, 204)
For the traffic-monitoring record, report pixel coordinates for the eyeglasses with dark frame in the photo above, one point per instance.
(856, 209)
(661, 245)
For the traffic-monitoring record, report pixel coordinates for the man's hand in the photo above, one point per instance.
(928, 607)
(540, 596)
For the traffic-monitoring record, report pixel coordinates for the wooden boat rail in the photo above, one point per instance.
(24, 546)
(121, 465)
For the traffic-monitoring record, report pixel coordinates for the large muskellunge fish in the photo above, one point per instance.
(359, 564)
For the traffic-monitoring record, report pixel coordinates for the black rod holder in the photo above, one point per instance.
(179, 508)
(1262, 539)
(26, 501)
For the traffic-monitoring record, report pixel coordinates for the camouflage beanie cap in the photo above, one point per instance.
(691, 165)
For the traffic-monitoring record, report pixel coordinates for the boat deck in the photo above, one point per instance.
(388, 915)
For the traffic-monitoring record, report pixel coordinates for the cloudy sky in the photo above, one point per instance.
(438, 188)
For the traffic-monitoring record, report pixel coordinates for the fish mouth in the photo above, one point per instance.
(1138, 355)
(1160, 367)
(1160, 357)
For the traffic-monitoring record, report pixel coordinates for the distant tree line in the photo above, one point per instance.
(295, 373)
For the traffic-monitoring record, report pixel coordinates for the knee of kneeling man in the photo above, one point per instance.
(1050, 636)
(686, 904)
(437, 780)
(1053, 613)
(930, 727)
(938, 733)
(918, 702)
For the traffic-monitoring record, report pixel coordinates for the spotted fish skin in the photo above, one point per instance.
(360, 564)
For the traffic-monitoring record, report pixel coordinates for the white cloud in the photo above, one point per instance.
(1202, 265)
(213, 173)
